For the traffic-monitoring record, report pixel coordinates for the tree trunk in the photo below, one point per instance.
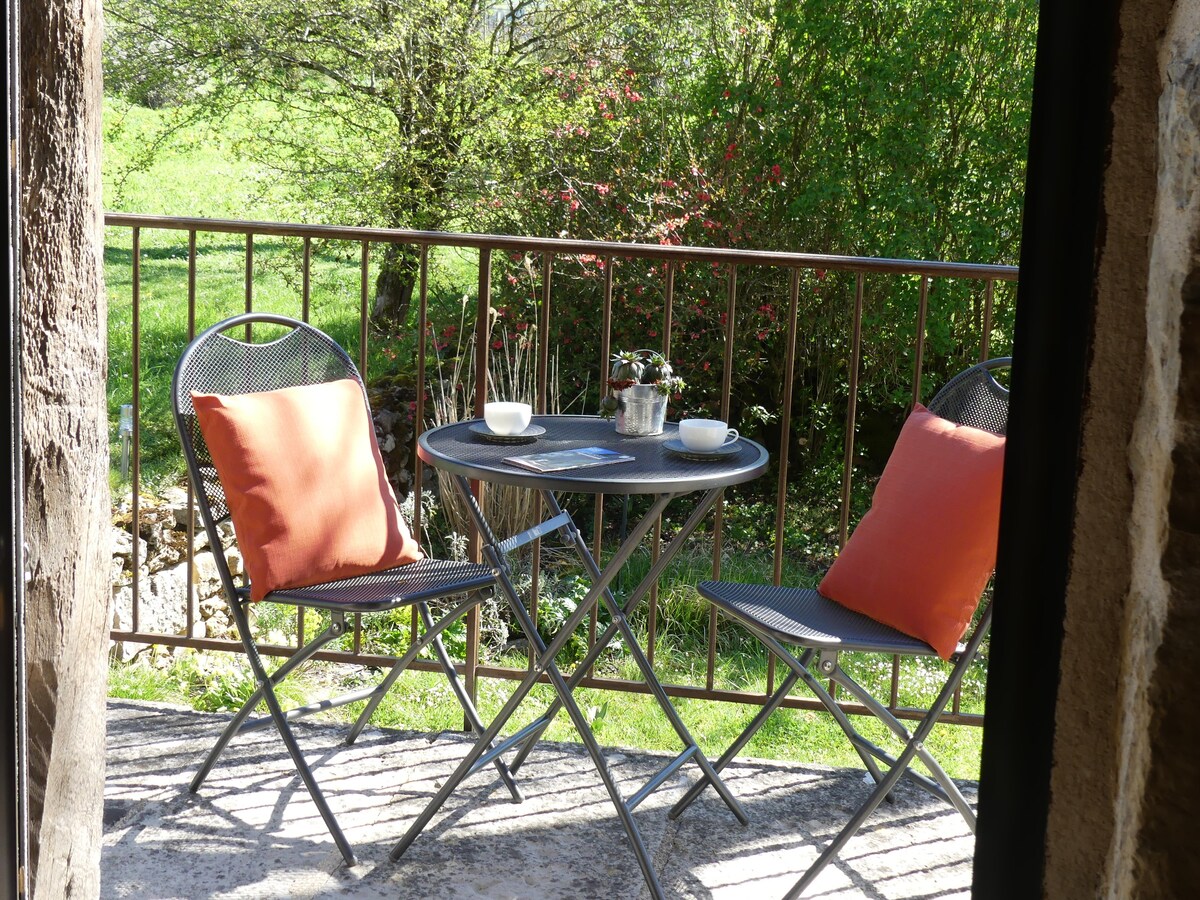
(394, 286)
(63, 316)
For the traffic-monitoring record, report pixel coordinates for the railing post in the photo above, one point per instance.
(483, 321)
(419, 410)
(919, 350)
(851, 412)
(136, 387)
(719, 509)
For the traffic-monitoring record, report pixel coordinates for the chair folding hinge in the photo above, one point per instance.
(827, 662)
(337, 623)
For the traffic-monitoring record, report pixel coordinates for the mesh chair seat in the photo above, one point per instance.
(802, 616)
(425, 579)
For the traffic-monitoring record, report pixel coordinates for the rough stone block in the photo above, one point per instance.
(122, 547)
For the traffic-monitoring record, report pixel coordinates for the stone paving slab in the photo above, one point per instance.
(252, 831)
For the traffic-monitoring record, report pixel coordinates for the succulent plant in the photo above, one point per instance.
(608, 406)
(631, 367)
(628, 365)
(672, 384)
(656, 370)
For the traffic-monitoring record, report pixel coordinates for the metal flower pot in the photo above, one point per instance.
(641, 409)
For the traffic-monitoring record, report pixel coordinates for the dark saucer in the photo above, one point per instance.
(528, 436)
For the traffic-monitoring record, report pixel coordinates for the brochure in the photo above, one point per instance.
(558, 460)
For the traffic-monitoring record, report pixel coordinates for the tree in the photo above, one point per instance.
(879, 129)
(377, 112)
(64, 442)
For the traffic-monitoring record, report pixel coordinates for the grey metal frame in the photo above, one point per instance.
(216, 362)
(780, 616)
(654, 472)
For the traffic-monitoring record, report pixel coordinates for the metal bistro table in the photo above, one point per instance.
(467, 456)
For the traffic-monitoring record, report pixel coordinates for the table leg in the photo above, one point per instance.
(620, 623)
(545, 663)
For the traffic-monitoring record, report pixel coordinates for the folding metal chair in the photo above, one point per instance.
(801, 617)
(223, 363)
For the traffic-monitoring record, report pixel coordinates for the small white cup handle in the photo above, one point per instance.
(730, 436)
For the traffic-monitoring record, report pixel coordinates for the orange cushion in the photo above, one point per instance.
(305, 484)
(922, 555)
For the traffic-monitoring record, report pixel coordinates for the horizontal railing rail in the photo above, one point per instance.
(673, 258)
(568, 247)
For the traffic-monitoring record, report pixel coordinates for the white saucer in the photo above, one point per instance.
(677, 447)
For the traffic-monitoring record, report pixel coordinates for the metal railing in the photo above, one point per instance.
(983, 278)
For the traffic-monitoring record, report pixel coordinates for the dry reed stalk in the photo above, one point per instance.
(511, 376)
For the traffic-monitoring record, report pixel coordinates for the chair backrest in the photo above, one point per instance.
(220, 363)
(974, 397)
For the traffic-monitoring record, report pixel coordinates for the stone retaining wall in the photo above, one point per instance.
(163, 574)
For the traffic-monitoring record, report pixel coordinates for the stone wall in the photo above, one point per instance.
(163, 579)
(1161, 851)
(1124, 782)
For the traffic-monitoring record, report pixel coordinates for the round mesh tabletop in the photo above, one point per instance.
(653, 469)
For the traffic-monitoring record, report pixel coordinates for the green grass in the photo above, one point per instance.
(199, 174)
(422, 701)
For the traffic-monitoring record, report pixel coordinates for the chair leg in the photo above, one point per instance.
(403, 663)
(465, 701)
(736, 747)
(831, 705)
(266, 686)
(238, 722)
(882, 789)
(914, 746)
(942, 785)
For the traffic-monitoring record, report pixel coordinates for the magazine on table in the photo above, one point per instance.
(558, 460)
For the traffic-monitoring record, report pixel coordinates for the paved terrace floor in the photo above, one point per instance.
(252, 831)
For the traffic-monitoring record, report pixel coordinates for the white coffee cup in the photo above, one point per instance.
(507, 417)
(706, 435)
